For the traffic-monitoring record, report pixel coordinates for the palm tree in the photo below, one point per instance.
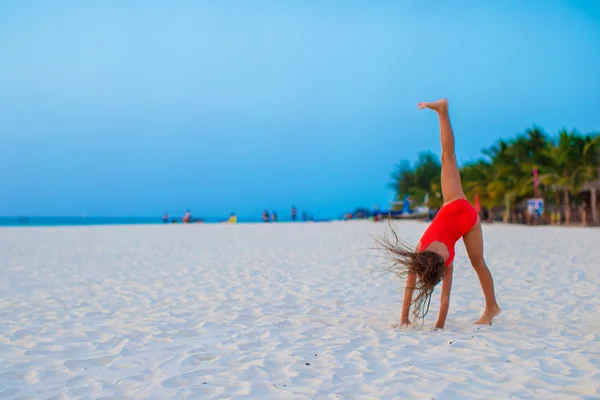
(416, 180)
(476, 177)
(591, 160)
(512, 164)
(592, 147)
(569, 166)
(402, 179)
(505, 174)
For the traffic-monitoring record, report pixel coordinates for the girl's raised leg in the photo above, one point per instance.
(451, 183)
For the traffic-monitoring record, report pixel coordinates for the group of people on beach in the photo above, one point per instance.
(186, 219)
(272, 217)
(266, 217)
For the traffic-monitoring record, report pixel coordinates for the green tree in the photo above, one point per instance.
(402, 179)
(570, 164)
(476, 177)
(416, 180)
(504, 176)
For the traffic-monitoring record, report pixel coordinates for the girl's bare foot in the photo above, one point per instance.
(440, 105)
(488, 315)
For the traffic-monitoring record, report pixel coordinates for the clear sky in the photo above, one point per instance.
(138, 107)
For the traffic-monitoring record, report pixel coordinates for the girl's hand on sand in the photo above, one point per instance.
(402, 325)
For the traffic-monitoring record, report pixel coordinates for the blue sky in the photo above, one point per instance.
(133, 108)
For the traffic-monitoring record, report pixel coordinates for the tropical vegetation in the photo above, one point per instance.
(503, 176)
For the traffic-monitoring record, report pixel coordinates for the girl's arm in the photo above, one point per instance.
(411, 280)
(445, 298)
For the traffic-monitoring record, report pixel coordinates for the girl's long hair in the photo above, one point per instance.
(428, 266)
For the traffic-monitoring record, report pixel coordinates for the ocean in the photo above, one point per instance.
(78, 221)
(82, 221)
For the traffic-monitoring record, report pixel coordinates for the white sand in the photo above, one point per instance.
(286, 311)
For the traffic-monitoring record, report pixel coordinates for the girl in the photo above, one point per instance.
(432, 260)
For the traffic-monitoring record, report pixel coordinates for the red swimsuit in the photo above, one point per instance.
(451, 223)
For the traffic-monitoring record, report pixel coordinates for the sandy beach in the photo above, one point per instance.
(288, 311)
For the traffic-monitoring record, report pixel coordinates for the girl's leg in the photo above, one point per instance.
(474, 244)
(451, 184)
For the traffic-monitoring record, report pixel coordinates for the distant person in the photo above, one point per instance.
(376, 213)
(304, 216)
(232, 218)
(294, 213)
(274, 216)
(265, 216)
(431, 262)
(187, 217)
(429, 215)
(165, 218)
(485, 214)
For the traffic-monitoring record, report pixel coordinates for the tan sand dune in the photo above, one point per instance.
(287, 311)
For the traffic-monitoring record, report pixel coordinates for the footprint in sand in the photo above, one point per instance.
(20, 334)
(187, 333)
(198, 359)
(112, 343)
(187, 379)
(90, 362)
(77, 380)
